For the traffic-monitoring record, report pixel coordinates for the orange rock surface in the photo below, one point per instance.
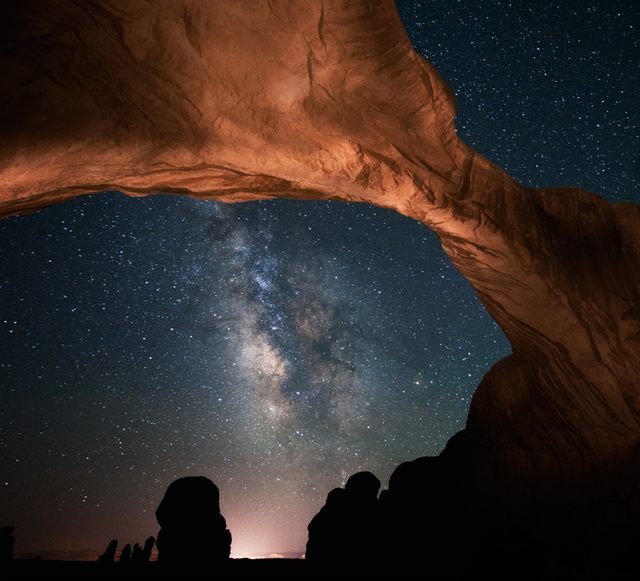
(240, 100)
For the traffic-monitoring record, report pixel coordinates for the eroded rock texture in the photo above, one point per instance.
(244, 100)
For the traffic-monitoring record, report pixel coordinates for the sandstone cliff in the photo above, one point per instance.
(238, 101)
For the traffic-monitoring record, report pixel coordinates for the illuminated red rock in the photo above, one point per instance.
(238, 101)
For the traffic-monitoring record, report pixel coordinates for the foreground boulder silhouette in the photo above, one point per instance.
(6, 544)
(193, 532)
(348, 529)
(451, 519)
(439, 524)
(136, 555)
(109, 555)
(143, 554)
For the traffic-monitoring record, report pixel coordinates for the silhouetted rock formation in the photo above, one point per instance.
(453, 520)
(328, 100)
(125, 555)
(128, 556)
(348, 528)
(6, 544)
(437, 518)
(325, 534)
(143, 554)
(109, 554)
(193, 532)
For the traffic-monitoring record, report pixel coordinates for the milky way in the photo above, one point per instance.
(278, 347)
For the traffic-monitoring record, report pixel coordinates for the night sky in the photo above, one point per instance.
(279, 347)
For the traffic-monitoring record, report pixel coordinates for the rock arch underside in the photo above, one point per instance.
(242, 100)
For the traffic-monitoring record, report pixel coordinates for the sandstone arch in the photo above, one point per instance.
(240, 100)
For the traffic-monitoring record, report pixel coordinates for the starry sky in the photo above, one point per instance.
(278, 347)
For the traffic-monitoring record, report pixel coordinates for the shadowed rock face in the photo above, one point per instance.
(237, 101)
(193, 533)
